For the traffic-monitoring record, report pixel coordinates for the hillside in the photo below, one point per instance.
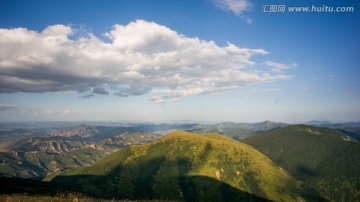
(322, 157)
(187, 166)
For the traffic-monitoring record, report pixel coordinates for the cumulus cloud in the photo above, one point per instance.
(142, 57)
(237, 7)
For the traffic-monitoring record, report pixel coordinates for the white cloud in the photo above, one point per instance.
(237, 7)
(278, 67)
(142, 57)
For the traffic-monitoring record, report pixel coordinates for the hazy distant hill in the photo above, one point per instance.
(350, 128)
(163, 127)
(325, 158)
(238, 131)
(187, 166)
(8, 136)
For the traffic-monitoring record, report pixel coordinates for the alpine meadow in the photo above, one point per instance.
(182, 100)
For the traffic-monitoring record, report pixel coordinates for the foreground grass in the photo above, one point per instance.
(60, 197)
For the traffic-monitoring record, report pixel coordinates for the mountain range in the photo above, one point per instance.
(187, 162)
(186, 166)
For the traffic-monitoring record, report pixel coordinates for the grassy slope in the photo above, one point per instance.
(318, 156)
(184, 166)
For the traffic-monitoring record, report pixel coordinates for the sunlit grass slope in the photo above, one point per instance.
(186, 166)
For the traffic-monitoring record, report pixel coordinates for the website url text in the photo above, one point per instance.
(306, 9)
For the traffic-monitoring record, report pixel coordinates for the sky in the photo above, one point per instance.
(179, 60)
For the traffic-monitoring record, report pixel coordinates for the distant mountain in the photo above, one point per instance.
(238, 131)
(162, 127)
(190, 167)
(7, 136)
(326, 159)
(353, 124)
(318, 122)
(56, 141)
(351, 129)
(333, 123)
(35, 155)
(80, 130)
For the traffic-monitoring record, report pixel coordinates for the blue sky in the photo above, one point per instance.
(159, 61)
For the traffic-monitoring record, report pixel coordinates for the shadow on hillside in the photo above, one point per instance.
(194, 188)
(303, 172)
(156, 179)
(31, 187)
(258, 132)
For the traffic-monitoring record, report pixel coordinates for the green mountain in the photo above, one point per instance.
(324, 158)
(187, 166)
